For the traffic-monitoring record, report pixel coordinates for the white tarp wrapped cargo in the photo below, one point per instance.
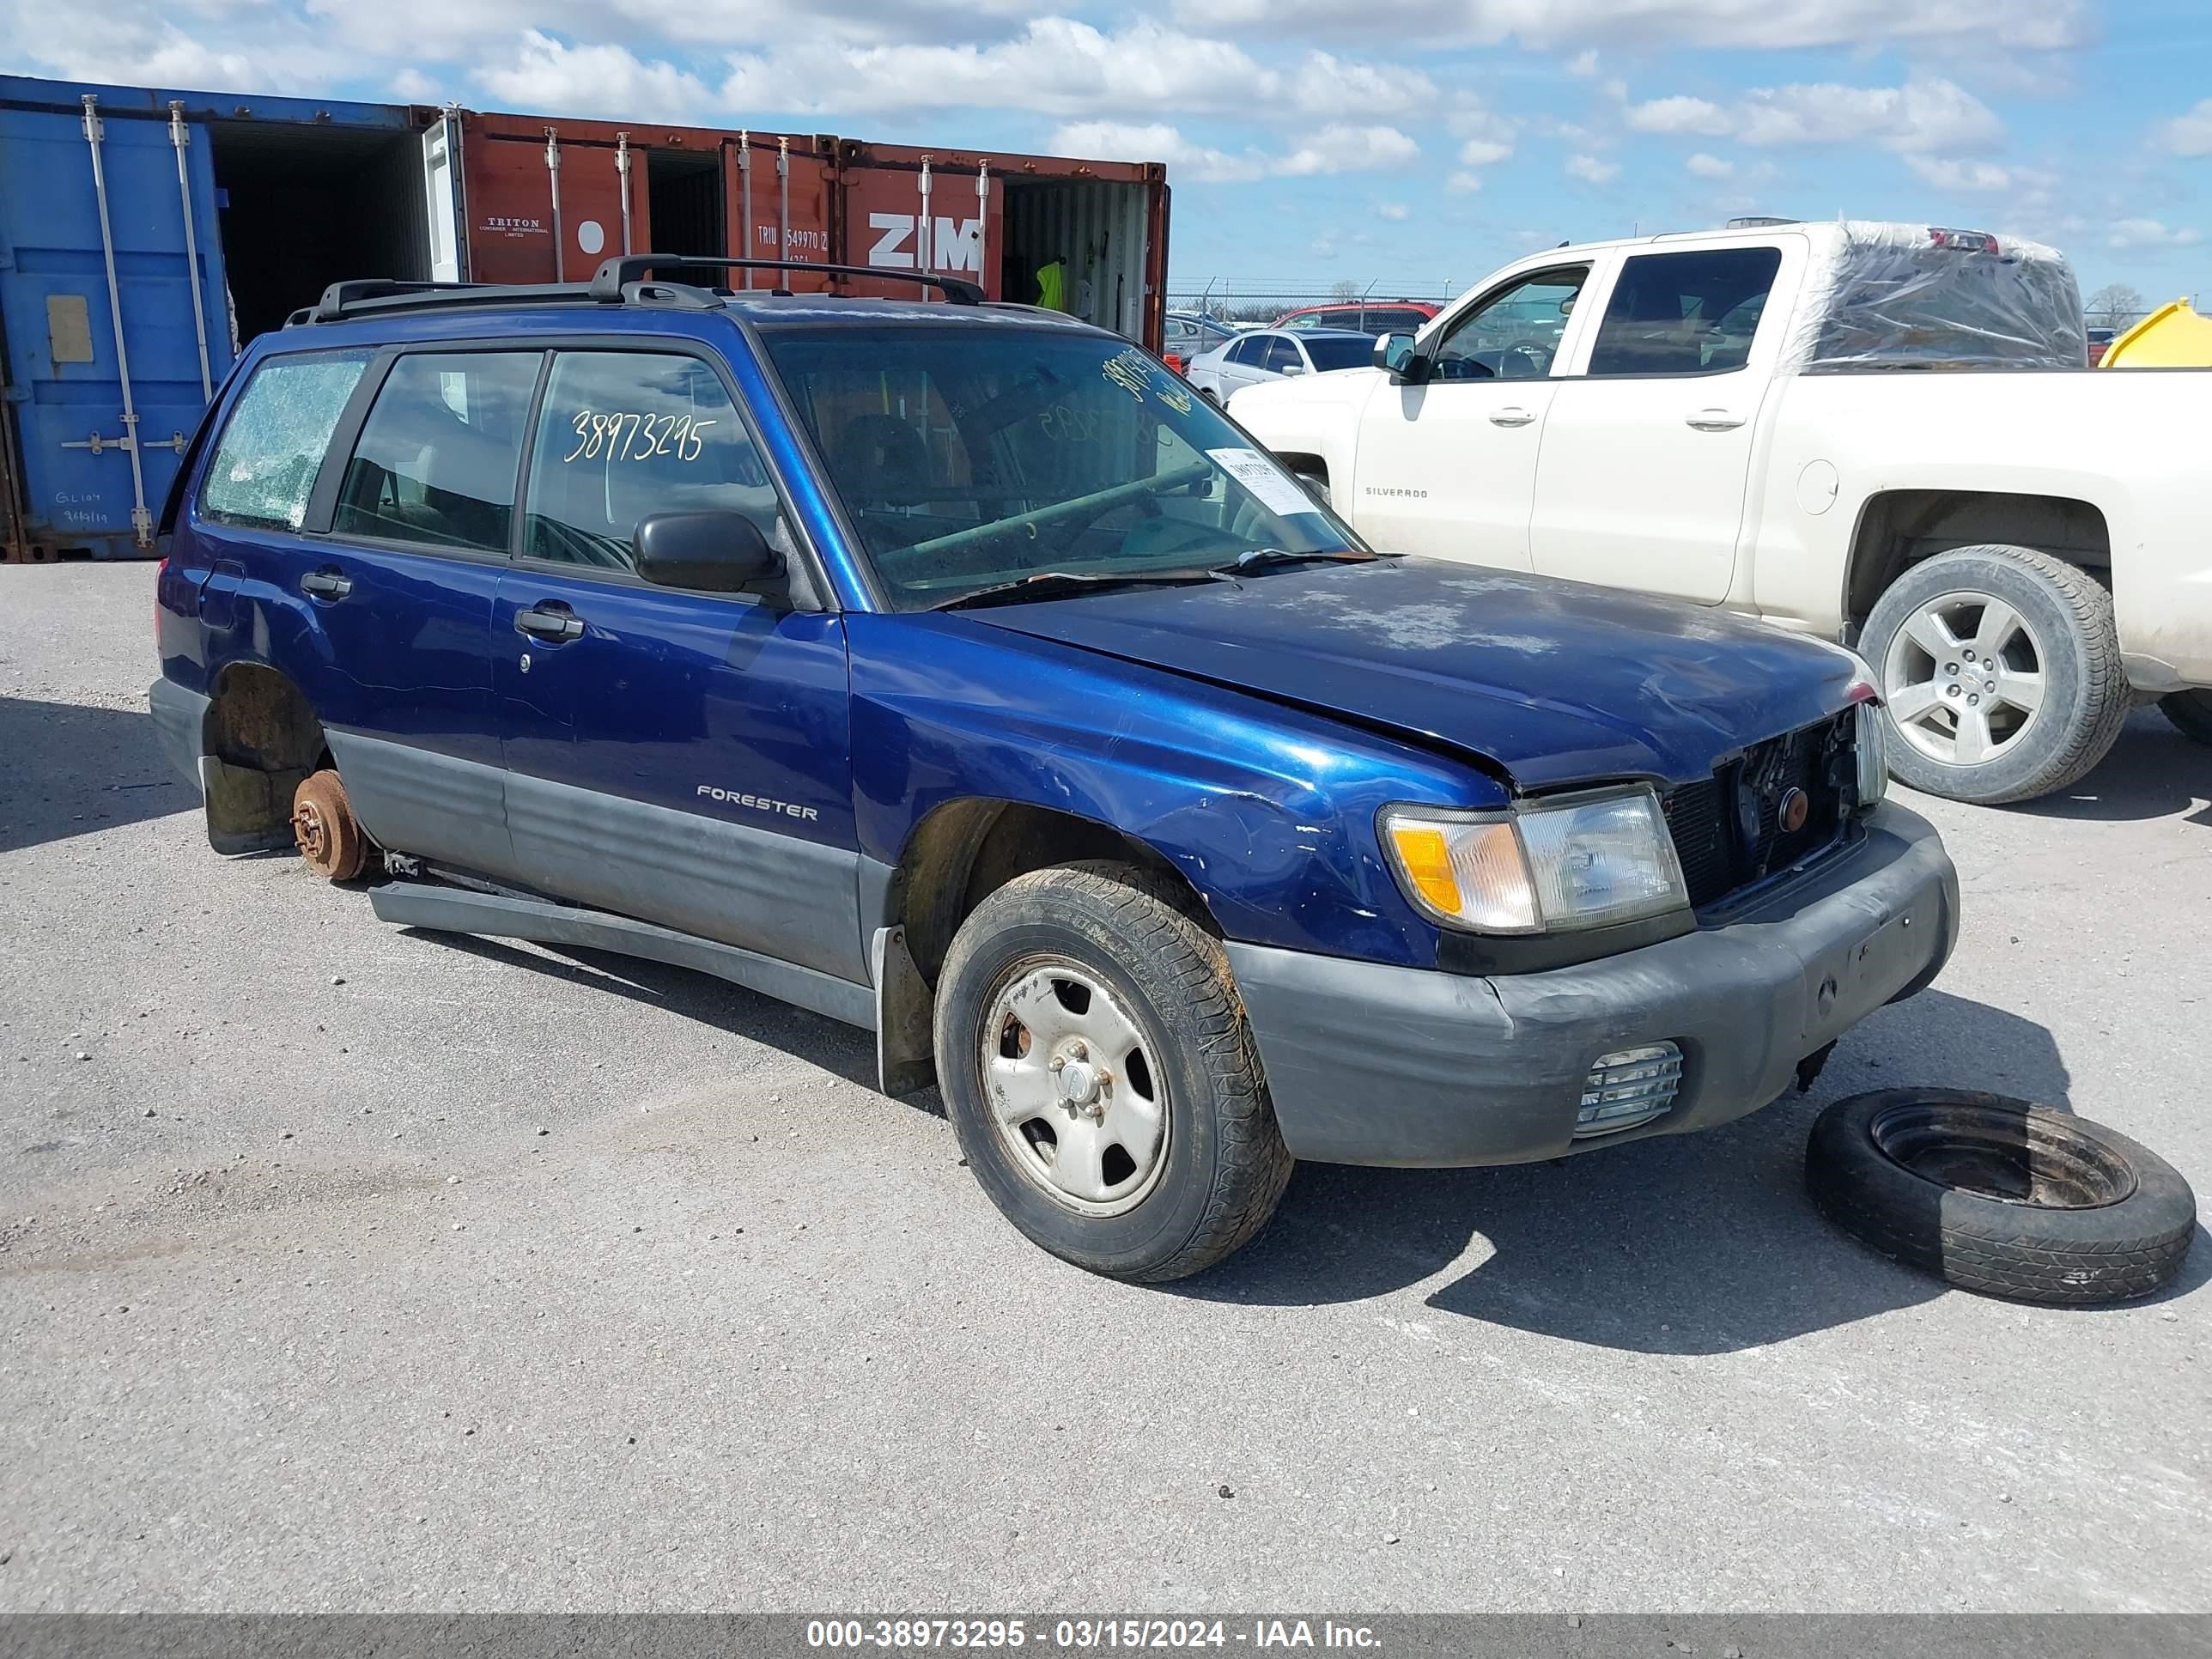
(1910, 296)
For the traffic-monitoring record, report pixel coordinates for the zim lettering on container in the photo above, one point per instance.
(956, 244)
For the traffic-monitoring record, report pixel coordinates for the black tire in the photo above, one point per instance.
(1316, 486)
(2086, 697)
(1887, 1168)
(1224, 1165)
(2191, 713)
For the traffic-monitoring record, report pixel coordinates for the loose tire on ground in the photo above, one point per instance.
(2000, 667)
(329, 838)
(1089, 964)
(2191, 713)
(2000, 1196)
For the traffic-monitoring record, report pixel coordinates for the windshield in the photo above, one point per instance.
(1340, 351)
(968, 458)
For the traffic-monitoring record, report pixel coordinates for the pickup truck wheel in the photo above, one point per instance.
(329, 838)
(2000, 667)
(2191, 713)
(2000, 1196)
(1101, 1078)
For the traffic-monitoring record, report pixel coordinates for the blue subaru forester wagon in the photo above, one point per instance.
(952, 670)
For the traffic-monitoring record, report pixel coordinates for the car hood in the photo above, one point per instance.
(1556, 682)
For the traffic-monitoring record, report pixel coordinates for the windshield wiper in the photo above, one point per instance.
(1275, 558)
(1057, 584)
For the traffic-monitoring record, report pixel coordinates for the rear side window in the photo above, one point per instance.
(624, 434)
(1281, 354)
(436, 459)
(1684, 314)
(1251, 349)
(264, 464)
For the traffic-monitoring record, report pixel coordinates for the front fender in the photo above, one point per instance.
(1318, 415)
(1267, 811)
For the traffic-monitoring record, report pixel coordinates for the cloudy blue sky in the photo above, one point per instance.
(1413, 143)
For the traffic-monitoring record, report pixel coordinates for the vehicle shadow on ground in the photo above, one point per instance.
(837, 1048)
(2153, 772)
(70, 769)
(1693, 1244)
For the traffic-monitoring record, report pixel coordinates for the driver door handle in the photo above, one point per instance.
(1511, 415)
(544, 622)
(327, 583)
(1714, 420)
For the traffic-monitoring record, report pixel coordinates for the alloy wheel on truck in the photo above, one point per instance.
(1100, 1076)
(2001, 1196)
(2000, 667)
(2191, 713)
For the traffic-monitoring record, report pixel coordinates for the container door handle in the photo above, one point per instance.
(1511, 415)
(326, 583)
(1714, 420)
(550, 622)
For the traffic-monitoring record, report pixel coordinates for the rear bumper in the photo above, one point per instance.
(180, 717)
(1368, 1064)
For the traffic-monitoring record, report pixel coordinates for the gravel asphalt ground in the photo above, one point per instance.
(347, 1268)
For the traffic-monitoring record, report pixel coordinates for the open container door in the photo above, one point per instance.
(445, 208)
(112, 291)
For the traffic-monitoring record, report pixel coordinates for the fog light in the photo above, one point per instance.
(1628, 1087)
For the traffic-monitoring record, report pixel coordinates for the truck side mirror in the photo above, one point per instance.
(1396, 352)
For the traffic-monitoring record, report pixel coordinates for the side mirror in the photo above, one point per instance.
(1291, 369)
(715, 552)
(1396, 352)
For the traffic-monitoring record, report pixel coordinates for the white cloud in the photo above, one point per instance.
(1464, 183)
(598, 80)
(1960, 175)
(2146, 233)
(2189, 134)
(1583, 63)
(1123, 140)
(1589, 169)
(1340, 149)
(1930, 114)
(2033, 25)
(1393, 211)
(1484, 152)
(1324, 85)
(1710, 166)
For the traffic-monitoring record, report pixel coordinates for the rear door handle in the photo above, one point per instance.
(1511, 415)
(545, 623)
(326, 584)
(1714, 420)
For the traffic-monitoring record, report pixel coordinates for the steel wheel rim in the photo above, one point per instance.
(1074, 1087)
(1964, 679)
(2005, 1155)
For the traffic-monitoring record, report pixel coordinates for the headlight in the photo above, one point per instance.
(1873, 752)
(1587, 861)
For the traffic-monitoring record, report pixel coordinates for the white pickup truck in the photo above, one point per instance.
(1883, 434)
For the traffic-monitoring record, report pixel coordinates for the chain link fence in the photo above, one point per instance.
(1236, 303)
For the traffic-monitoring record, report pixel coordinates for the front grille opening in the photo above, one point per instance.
(1629, 1087)
(1777, 803)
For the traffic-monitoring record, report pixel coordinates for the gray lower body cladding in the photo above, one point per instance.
(1369, 1064)
(180, 726)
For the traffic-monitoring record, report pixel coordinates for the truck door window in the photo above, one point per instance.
(1684, 314)
(265, 463)
(1515, 334)
(436, 459)
(625, 434)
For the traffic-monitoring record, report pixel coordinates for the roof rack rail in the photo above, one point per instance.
(616, 275)
(366, 296)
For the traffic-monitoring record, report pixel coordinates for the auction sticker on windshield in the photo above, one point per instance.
(1264, 479)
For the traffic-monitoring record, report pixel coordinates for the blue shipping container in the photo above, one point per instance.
(143, 234)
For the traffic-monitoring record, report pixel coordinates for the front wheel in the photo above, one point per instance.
(2000, 667)
(2191, 713)
(1101, 1078)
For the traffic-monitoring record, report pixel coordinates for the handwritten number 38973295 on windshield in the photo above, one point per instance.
(621, 436)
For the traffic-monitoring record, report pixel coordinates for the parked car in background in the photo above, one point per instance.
(1269, 354)
(958, 673)
(1369, 317)
(1881, 434)
(2100, 342)
(1187, 334)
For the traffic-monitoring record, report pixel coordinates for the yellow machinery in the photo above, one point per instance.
(2173, 336)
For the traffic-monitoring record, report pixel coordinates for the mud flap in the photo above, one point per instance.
(906, 1053)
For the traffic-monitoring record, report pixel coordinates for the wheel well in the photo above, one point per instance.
(1899, 528)
(966, 850)
(263, 738)
(1299, 462)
